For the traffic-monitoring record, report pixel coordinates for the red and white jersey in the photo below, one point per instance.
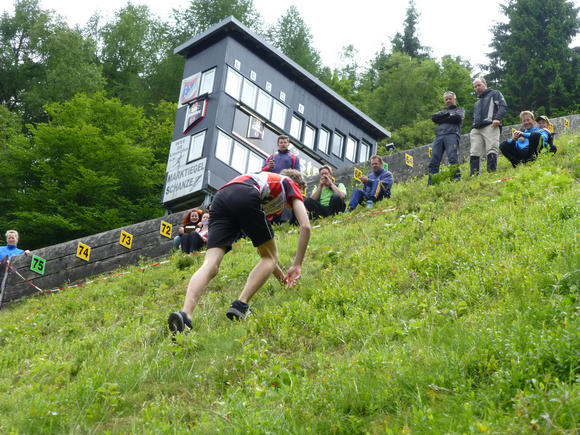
(275, 190)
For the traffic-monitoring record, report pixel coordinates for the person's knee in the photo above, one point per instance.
(309, 203)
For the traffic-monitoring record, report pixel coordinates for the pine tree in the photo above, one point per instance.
(531, 61)
(408, 42)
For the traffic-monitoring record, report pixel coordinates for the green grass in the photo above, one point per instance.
(456, 312)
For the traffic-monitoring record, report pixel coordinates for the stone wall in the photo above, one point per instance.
(402, 172)
(63, 266)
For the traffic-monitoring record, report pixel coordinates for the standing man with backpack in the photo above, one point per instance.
(276, 163)
(283, 159)
(488, 111)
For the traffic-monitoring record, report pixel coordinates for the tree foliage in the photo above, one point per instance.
(293, 37)
(199, 15)
(136, 54)
(42, 61)
(89, 169)
(408, 42)
(531, 60)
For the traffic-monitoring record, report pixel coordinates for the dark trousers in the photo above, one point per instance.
(316, 209)
(516, 155)
(448, 143)
(191, 242)
(358, 196)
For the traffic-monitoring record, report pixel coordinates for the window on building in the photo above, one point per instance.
(278, 113)
(196, 146)
(249, 91)
(309, 136)
(239, 157)
(207, 79)
(363, 154)
(323, 140)
(223, 148)
(350, 152)
(296, 127)
(264, 104)
(254, 162)
(233, 83)
(337, 144)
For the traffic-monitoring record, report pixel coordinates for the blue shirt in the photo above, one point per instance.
(526, 136)
(10, 250)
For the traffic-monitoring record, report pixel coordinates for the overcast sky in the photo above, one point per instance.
(455, 27)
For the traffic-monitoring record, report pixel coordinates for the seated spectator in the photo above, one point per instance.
(327, 198)
(190, 221)
(525, 144)
(11, 248)
(377, 185)
(544, 123)
(203, 227)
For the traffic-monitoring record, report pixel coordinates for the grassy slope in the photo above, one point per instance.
(456, 312)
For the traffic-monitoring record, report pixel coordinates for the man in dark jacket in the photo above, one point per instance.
(447, 134)
(488, 112)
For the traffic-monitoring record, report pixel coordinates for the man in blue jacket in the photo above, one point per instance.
(283, 159)
(447, 135)
(11, 249)
(527, 143)
(377, 185)
(488, 111)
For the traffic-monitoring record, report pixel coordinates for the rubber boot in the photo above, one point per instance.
(474, 165)
(491, 162)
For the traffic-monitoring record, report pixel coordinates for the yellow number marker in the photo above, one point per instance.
(165, 229)
(83, 251)
(126, 239)
(409, 160)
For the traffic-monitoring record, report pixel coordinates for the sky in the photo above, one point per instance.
(454, 27)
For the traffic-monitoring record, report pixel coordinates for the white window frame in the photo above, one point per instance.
(323, 140)
(207, 81)
(350, 151)
(296, 126)
(309, 136)
(223, 148)
(264, 104)
(279, 111)
(249, 92)
(233, 83)
(336, 135)
(364, 145)
(196, 146)
(239, 157)
(254, 162)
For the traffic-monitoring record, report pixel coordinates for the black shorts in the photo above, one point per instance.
(235, 210)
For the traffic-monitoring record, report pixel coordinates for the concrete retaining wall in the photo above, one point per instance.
(64, 267)
(402, 172)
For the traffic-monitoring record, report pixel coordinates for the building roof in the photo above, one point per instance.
(232, 27)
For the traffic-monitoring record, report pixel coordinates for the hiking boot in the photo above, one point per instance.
(238, 310)
(491, 162)
(178, 322)
(474, 165)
